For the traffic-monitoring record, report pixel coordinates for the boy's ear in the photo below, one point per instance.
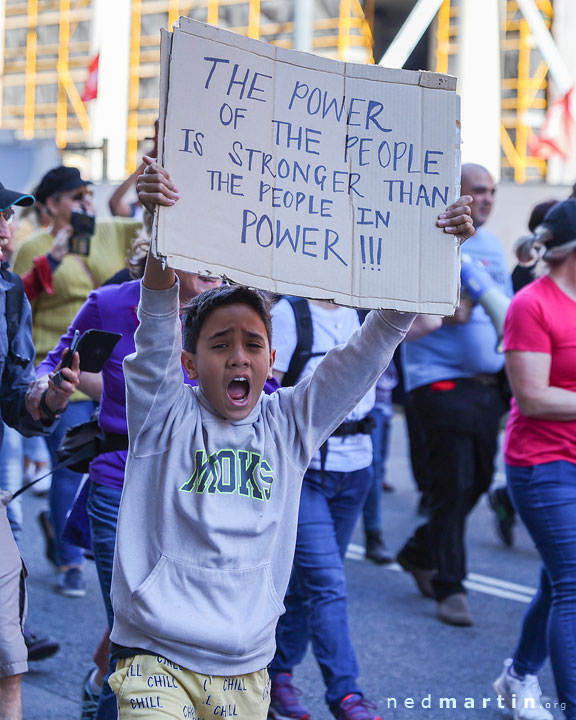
(272, 361)
(189, 364)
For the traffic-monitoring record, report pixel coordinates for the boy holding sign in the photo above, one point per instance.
(208, 516)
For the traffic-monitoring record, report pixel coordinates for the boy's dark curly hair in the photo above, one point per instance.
(200, 307)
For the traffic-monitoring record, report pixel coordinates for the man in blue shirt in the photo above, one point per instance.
(454, 378)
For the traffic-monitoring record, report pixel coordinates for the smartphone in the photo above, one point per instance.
(84, 226)
(95, 347)
(67, 360)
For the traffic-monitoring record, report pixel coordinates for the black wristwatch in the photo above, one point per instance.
(50, 414)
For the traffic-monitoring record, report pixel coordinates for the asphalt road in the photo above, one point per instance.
(411, 665)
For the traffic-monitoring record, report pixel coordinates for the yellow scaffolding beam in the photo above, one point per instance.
(254, 19)
(41, 71)
(30, 86)
(133, 93)
(523, 89)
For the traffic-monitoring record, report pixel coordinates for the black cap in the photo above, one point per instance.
(60, 179)
(12, 197)
(561, 222)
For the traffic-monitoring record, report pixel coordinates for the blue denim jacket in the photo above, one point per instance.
(16, 376)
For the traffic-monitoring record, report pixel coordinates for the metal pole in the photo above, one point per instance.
(410, 33)
(105, 160)
(303, 25)
(479, 83)
(558, 69)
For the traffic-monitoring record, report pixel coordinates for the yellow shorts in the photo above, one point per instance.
(149, 686)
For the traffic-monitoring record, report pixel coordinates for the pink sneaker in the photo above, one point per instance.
(284, 702)
(355, 707)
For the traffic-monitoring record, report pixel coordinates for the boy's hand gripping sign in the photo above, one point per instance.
(308, 176)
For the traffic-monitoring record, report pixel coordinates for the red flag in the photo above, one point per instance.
(558, 132)
(91, 89)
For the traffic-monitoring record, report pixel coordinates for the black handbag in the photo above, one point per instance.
(80, 445)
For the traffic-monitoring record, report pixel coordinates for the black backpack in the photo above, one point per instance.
(14, 301)
(305, 334)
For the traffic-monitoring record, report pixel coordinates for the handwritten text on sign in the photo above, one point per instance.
(315, 178)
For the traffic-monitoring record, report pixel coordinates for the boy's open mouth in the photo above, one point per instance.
(238, 390)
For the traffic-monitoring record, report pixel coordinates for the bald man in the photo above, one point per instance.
(454, 379)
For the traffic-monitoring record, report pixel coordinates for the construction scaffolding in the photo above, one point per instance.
(48, 49)
(44, 63)
(340, 30)
(524, 83)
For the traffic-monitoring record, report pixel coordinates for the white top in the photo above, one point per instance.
(331, 328)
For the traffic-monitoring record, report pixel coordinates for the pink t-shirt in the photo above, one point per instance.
(542, 318)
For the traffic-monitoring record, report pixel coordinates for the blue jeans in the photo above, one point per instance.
(316, 602)
(103, 504)
(65, 482)
(372, 511)
(545, 497)
(11, 472)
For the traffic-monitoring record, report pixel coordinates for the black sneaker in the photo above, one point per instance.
(39, 648)
(505, 516)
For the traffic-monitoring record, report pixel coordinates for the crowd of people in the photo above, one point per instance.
(260, 427)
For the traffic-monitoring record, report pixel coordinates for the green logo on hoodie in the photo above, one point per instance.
(231, 471)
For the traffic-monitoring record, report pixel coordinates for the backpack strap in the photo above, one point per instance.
(14, 300)
(305, 339)
(303, 352)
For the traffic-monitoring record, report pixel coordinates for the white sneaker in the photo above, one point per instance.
(521, 696)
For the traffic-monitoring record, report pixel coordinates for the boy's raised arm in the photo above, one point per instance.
(155, 188)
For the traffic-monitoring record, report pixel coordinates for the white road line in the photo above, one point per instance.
(479, 583)
(497, 592)
(501, 583)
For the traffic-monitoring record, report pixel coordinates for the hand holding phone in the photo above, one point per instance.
(57, 378)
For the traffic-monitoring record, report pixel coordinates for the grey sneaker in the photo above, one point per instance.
(523, 696)
(376, 549)
(71, 583)
(454, 610)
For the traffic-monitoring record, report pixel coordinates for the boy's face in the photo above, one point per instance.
(232, 360)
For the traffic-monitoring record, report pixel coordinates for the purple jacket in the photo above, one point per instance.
(111, 308)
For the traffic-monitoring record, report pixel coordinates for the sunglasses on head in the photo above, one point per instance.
(8, 215)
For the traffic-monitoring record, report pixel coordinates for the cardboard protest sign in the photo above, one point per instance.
(308, 176)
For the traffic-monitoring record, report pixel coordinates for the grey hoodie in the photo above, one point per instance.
(208, 517)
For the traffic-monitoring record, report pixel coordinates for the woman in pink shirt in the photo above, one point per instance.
(540, 455)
